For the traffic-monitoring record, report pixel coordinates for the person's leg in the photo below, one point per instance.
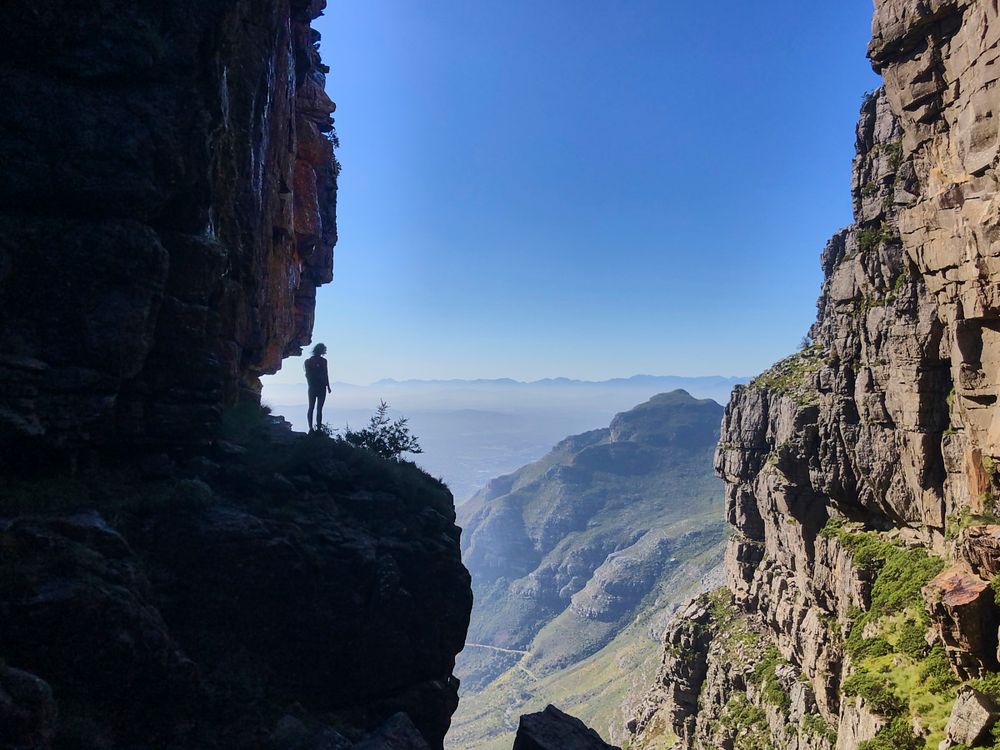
(312, 403)
(320, 400)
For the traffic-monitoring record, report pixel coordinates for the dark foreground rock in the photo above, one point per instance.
(28, 713)
(398, 733)
(171, 577)
(552, 729)
(300, 580)
(167, 210)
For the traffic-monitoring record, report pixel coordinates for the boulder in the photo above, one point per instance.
(980, 547)
(973, 715)
(28, 711)
(962, 605)
(552, 729)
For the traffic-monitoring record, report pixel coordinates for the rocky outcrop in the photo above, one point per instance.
(860, 473)
(167, 210)
(292, 589)
(673, 703)
(552, 729)
(972, 717)
(177, 569)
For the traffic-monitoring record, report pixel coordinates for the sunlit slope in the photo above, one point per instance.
(576, 560)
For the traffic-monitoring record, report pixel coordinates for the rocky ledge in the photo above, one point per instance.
(284, 592)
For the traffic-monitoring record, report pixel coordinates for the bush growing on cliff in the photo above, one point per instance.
(877, 693)
(765, 676)
(895, 671)
(794, 375)
(384, 437)
(872, 237)
(897, 735)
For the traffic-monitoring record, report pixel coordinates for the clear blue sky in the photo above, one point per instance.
(584, 188)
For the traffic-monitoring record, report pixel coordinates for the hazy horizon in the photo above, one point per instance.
(515, 381)
(543, 189)
(474, 430)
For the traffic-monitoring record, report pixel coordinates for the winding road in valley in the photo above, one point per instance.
(497, 648)
(523, 668)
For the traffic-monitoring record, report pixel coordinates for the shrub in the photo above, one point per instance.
(384, 437)
(870, 648)
(911, 640)
(876, 692)
(764, 676)
(989, 685)
(897, 735)
(936, 672)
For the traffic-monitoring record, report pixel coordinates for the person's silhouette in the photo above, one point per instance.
(318, 379)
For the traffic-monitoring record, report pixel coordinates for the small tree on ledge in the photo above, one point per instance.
(383, 436)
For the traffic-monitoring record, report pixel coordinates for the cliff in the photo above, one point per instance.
(576, 561)
(860, 473)
(167, 210)
(179, 570)
(282, 592)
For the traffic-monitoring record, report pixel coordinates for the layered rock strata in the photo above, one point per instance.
(861, 473)
(167, 210)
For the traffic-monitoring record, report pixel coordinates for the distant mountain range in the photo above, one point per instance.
(578, 558)
(664, 380)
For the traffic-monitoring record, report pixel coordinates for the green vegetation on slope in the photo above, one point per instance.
(793, 376)
(742, 719)
(575, 559)
(594, 688)
(894, 670)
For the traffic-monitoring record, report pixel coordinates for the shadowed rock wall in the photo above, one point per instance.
(167, 210)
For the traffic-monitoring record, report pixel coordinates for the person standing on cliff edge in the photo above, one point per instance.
(318, 379)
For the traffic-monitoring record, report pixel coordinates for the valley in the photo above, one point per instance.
(578, 561)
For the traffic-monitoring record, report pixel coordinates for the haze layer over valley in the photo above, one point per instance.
(474, 430)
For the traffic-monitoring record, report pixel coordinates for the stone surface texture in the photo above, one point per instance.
(167, 210)
(887, 421)
(972, 717)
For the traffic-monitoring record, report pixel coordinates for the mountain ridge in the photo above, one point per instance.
(574, 557)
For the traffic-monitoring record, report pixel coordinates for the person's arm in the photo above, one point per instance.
(326, 377)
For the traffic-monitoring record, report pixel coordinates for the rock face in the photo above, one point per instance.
(294, 590)
(177, 570)
(972, 717)
(552, 729)
(861, 473)
(167, 210)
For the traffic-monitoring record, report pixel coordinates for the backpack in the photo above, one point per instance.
(314, 370)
